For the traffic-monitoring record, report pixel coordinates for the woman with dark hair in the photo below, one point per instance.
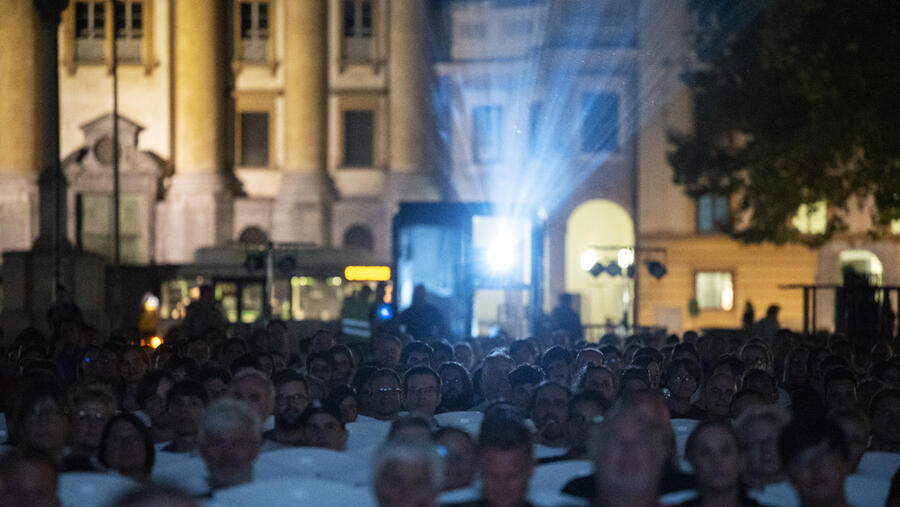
(133, 364)
(597, 378)
(456, 388)
(39, 419)
(127, 448)
(683, 380)
(345, 398)
(344, 365)
(714, 451)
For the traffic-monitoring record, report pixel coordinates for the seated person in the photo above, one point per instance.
(758, 429)
(255, 389)
(456, 388)
(152, 393)
(406, 475)
(884, 413)
(186, 404)
(549, 412)
(385, 395)
(291, 400)
(422, 392)
(840, 389)
(855, 426)
(92, 408)
(816, 457)
(683, 379)
(585, 410)
(40, 420)
(716, 394)
(745, 399)
(556, 362)
(229, 442)
(324, 428)
(524, 379)
(126, 447)
(458, 451)
(416, 354)
(29, 478)
(506, 462)
(714, 452)
(410, 429)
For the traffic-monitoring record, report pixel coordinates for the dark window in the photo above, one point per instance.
(129, 19)
(712, 212)
(486, 133)
(359, 135)
(255, 20)
(255, 139)
(89, 20)
(599, 122)
(359, 236)
(357, 18)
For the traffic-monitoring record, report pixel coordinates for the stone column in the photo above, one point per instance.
(298, 212)
(199, 201)
(409, 110)
(20, 115)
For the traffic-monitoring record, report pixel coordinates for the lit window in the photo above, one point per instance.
(811, 218)
(895, 226)
(712, 212)
(486, 132)
(714, 290)
(254, 139)
(359, 138)
(599, 122)
(129, 30)
(254, 29)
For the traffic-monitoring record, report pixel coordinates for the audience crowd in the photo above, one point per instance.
(759, 416)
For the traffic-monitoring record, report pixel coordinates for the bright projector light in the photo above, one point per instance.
(588, 259)
(500, 256)
(625, 258)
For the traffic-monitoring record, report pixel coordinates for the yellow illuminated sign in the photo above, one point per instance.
(367, 273)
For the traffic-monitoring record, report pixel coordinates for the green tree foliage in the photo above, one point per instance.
(797, 101)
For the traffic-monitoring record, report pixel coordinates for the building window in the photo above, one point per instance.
(95, 227)
(811, 218)
(359, 138)
(713, 212)
(91, 27)
(254, 31)
(358, 18)
(714, 290)
(254, 128)
(599, 122)
(90, 31)
(486, 133)
(895, 226)
(359, 236)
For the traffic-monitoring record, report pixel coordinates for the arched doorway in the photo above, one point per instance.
(600, 234)
(859, 263)
(859, 300)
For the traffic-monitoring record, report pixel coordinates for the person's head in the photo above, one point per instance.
(884, 413)
(634, 378)
(745, 399)
(324, 427)
(755, 355)
(127, 447)
(816, 457)
(772, 311)
(387, 350)
(855, 426)
(321, 341)
(762, 382)
(406, 475)
(714, 451)
(717, 392)
(385, 394)
(320, 365)
(291, 399)
(653, 367)
(230, 442)
(556, 363)
(524, 379)
(416, 354)
(598, 378)
(254, 388)
(215, 380)
(886, 372)
(133, 364)
(684, 378)
(462, 352)
(458, 451)
(586, 408)
(29, 478)
(586, 356)
(613, 358)
(565, 300)
(422, 391)
(796, 368)
(442, 352)
(420, 293)
(523, 352)
(91, 408)
(40, 417)
(344, 364)
(346, 399)
(840, 388)
(494, 381)
(759, 429)
(199, 350)
(410, 429)
(549, 411)
(186, 404)
(630, 453)
(506, 461)
(456, 386)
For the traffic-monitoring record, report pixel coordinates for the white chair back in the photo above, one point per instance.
(468, 421)
(93, 489)
(881, 464)
(553, 476)
(188, 474)
(312, 463)
(292, 492)
(683, 429)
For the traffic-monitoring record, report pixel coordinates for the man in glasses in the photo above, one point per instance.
(291, 400)
(385, 395)
(423, 392)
